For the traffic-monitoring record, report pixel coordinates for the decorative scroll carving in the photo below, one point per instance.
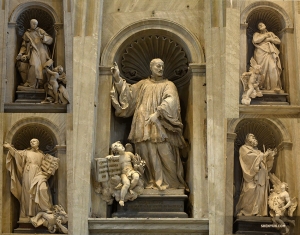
(138, 54)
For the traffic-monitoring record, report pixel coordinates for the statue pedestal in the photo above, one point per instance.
(154, 204)
(252, 225)
(28, 228)
(29, 95)
(271, 98)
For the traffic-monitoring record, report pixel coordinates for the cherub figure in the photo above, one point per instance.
(53, 88)
(130, 170)
(280, 204)
(252, 81)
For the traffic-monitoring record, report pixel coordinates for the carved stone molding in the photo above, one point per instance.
(136, 58)
(24, 128)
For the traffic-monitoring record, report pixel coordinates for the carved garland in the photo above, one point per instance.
(138, 54)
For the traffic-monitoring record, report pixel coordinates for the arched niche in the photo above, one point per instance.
(19, 22)
(51, 140)
(270, 133)
(277, 21)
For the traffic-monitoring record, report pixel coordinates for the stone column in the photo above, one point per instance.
(86, 16)
(62, 176)
(197, 157)
(229, 210)
(222, 79)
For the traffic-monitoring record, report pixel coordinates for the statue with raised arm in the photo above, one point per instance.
(33, 54)
(255, 165)
(30, 170)
(266, 55)
(156, 128)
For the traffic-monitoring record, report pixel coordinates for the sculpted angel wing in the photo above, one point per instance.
(245, 78)
(253, 62)
(293, 206)
(275, 181)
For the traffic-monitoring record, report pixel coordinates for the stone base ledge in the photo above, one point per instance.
(34, 108)
(293, 110)
(144, 226)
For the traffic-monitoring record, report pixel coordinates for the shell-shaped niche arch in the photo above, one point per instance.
(22, 137)
(266, 133)
(273, 21)
(136, 53)
(45, 21)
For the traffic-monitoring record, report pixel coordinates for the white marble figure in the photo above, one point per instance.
(53, 221)
(156, 128)
(55, 86)
(281, 205)
(30, 170)
(251, 81)
(34, 51)
(255, 166)
(266, 54)
(126, 175)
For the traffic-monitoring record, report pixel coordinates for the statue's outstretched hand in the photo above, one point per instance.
(115, 72)
(6, 145)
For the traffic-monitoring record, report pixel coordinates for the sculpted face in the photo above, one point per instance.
(33, 24)
(252, 140)
(117, 147)
(34, 143)
(157, 68)
(283, 187)
(261, 26)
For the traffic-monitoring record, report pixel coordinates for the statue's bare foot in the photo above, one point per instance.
(162, 187)
(149, 186)
(121, 203)
(131, 191)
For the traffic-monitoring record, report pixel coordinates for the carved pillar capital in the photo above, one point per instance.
(105, 70)
(57, 27)
(285, 145)
(231, 136)
(197, 68)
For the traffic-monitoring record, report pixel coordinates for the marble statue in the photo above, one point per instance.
(266, 54)
(255, 165)
(156, 128)
(55, 86)
(33, 54)
(281, 205)
(121, 175)
(30, 170)
(251, 81)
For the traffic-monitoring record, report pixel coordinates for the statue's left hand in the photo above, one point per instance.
(6, 145)
(152, 119)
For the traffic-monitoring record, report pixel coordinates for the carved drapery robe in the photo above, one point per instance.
(254, 195)
(158, 144)
(34, 45)
(28, 182)
(266, 54)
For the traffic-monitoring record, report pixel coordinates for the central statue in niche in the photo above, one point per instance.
(156, 128)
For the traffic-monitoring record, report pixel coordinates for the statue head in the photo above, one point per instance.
(34, 143)
(59, 69)
(157, 68)
(117, 147)
(251, 140)
(33, 23)
(284, 186)
(261, 26)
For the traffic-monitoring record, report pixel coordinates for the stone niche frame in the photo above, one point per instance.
(13, 46)
(193, 120)
(50, 131)
(278, 21)
(280, 136)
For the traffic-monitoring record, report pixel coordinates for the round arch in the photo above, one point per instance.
(188, 41)
(33, 4)
(50, 128)
(269, 5)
